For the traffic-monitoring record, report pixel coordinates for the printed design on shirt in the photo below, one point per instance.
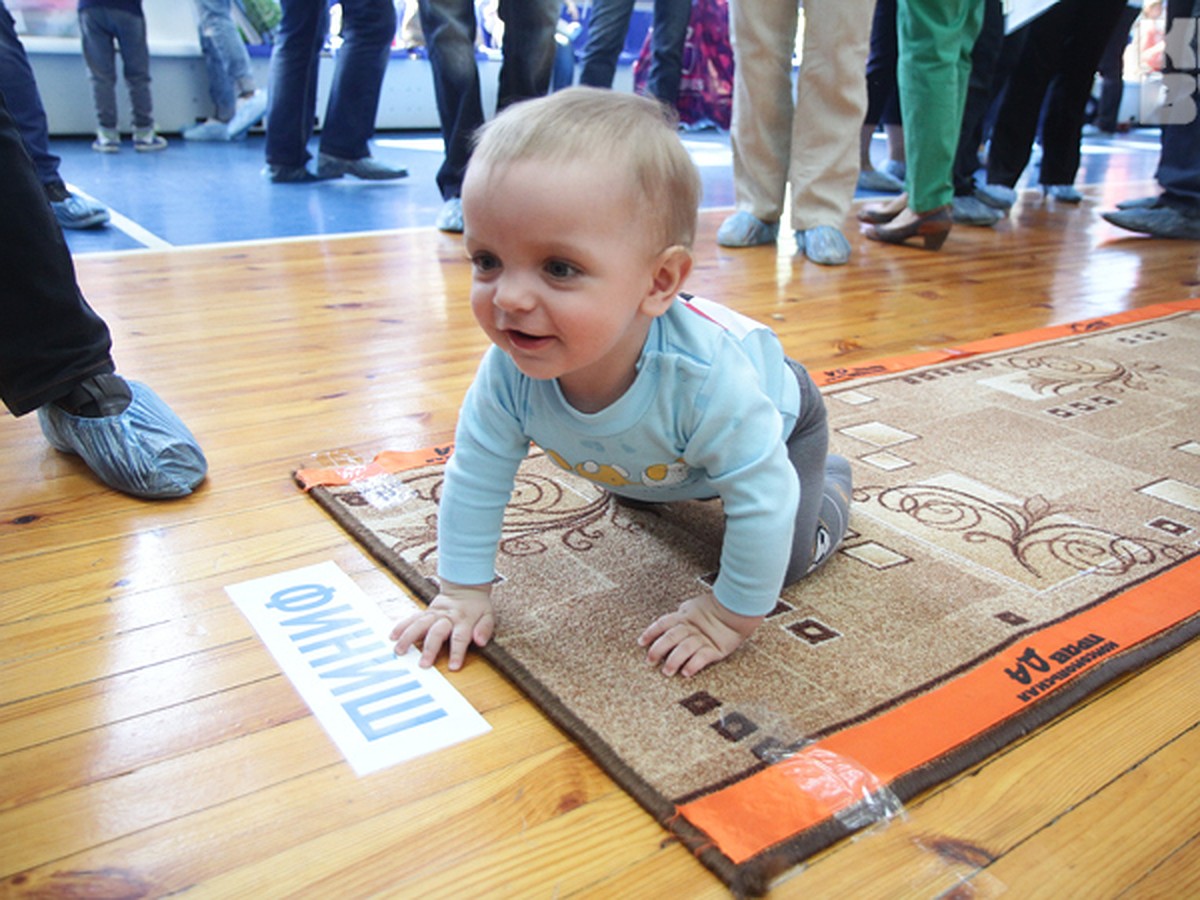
(611, 475)
(665, 474)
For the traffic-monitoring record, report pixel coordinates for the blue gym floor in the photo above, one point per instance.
(201, 193)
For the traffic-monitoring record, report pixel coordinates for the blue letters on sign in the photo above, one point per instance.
(349, 642)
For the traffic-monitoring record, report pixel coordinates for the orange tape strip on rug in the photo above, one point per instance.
(893, 364)
(773, 805)
(388, 462)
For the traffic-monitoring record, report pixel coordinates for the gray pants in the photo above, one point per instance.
(824, 509)
(104, 31)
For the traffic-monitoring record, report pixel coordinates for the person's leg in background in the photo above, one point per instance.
(1111, 69)
(1066, 105)
(19, 88)
(936, 41)
(763, 34)
(449, 27)
(666, 49)
(100, 54)
(528, 49)
(607, 27)
(368, 28)
(238, 104)
(882, 103)
(130, 33)
(292, 103)
(831, 101)
(966, 208)
(1175, 213)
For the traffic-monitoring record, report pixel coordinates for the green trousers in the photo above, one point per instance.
(935, 41)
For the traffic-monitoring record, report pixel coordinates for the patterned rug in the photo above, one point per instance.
(1025, 527)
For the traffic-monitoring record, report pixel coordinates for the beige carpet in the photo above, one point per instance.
(1025, 527)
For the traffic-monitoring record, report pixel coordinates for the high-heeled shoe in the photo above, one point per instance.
(932, 227)
(883, 212)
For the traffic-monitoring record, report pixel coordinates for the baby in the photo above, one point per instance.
(580, 213)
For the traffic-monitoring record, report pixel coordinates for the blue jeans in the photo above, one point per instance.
(105, 30)
(528, 61)
(19, 89)
(608, 26)
(1179, 163)
(368, 27)
(225, 57)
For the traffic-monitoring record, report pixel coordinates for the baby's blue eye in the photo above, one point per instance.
(556, 268)
(484, 262)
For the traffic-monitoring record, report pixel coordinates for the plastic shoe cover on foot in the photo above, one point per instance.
(1159, 221)
(973, 211)
(248, 112)
(1139, 203)
(744, 230)
(880, 182)
(208, 130)
(997, 196)
(1063, 193)
(146, 450)
(826, 246)
(450, 216)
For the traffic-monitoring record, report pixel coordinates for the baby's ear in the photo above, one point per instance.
(671, 269)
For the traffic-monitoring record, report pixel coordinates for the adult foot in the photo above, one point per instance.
(128, 437)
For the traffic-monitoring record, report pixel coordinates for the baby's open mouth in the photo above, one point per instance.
(523, 340)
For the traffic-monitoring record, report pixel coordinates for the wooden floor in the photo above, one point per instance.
(150, 746)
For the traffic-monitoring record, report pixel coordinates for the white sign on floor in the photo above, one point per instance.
(331, 640)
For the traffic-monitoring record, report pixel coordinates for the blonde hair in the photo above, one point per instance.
(580, 124)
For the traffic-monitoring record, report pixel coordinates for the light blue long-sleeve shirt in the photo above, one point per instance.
(707, 415)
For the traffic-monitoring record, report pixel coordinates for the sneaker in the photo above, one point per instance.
(108, 140)
(147, 140)
(826, 246)
(208, 130)
(997, 196)
(1063, 193)
(366, 168)
(78, 212)
(128, 437)
(450, 216)
(1158, 221)
(880, 182)
(249, 112)
(973, 211)
(278, 174)
(744, 230)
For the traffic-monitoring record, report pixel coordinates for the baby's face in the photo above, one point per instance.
(563, 260)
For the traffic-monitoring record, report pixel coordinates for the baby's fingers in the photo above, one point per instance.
(688, 656)
(657, 629)
(431, 645)
(408, 632)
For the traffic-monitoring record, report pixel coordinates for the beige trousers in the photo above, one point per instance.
(811, 143)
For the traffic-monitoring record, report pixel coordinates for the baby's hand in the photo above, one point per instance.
(460, 614)
(700, 632)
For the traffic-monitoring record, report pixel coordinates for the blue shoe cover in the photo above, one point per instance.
(744, 230)
(145, 450)
(826, 246)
